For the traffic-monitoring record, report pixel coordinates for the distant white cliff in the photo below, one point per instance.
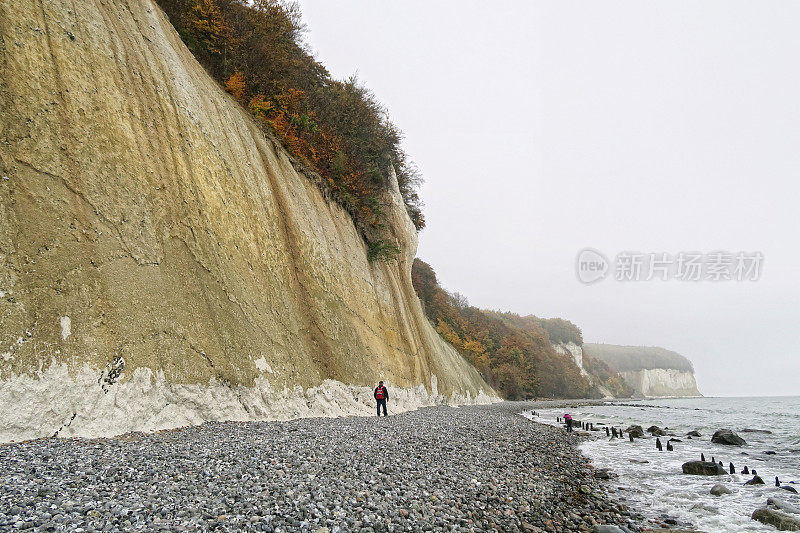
(651, 370)
(662, 382)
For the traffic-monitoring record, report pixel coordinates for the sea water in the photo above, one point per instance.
(652, 482)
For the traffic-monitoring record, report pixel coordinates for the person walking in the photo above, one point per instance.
(568, 420)
(381, 395)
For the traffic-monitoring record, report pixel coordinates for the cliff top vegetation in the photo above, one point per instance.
(337, 128)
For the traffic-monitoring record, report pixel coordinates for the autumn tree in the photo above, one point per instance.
(236, 85)
(514, 354)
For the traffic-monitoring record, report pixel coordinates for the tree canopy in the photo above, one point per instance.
(513, 353)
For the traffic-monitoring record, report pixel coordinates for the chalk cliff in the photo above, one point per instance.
(651, 371)
(575, 351)
(662, 382)
(162, 262)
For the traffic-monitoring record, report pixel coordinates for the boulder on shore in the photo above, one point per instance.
(604, 473)
(727, 437)
(782, 521)
(719, 490)
(607, 529)
(703, 468)
(636, 431)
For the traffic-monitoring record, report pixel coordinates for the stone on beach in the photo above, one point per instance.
(437, 468)
(604, 473)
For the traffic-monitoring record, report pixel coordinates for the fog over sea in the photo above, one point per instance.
(659, 489)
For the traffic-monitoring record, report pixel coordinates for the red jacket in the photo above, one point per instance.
(382, 389)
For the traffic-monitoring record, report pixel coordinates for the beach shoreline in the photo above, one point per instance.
(476, 467)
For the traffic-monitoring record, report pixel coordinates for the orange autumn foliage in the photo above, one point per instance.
(255, 49)
(513, 353)
(236, 85)
(208, 24)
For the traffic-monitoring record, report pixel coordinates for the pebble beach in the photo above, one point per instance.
(472, 468)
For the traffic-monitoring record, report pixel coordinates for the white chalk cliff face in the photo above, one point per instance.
(576, 352)
(650, 370)
(163, 263)
(662, 382)
(573, 350)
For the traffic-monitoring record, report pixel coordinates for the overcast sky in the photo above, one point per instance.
(543, 128)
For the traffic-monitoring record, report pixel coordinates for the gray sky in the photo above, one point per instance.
(543, 128)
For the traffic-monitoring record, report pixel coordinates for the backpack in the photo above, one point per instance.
(379, 395)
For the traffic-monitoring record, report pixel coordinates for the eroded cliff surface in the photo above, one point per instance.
(650, 370)
(662, 382)
(161, 260)
(575, 351)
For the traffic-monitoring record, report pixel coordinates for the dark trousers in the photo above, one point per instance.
(383, 403)
(569, 426)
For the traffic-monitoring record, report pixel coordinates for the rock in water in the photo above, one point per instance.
(780, 520)
(603, 473)
(694, 434)
(789, 489)
(656, 431)
(608, 529)
(755, 481)
(720, 489)
(702, 468)
(636, 431)
(728, 437)
(783, 506)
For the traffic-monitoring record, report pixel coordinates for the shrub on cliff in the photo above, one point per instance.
(255, 49)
